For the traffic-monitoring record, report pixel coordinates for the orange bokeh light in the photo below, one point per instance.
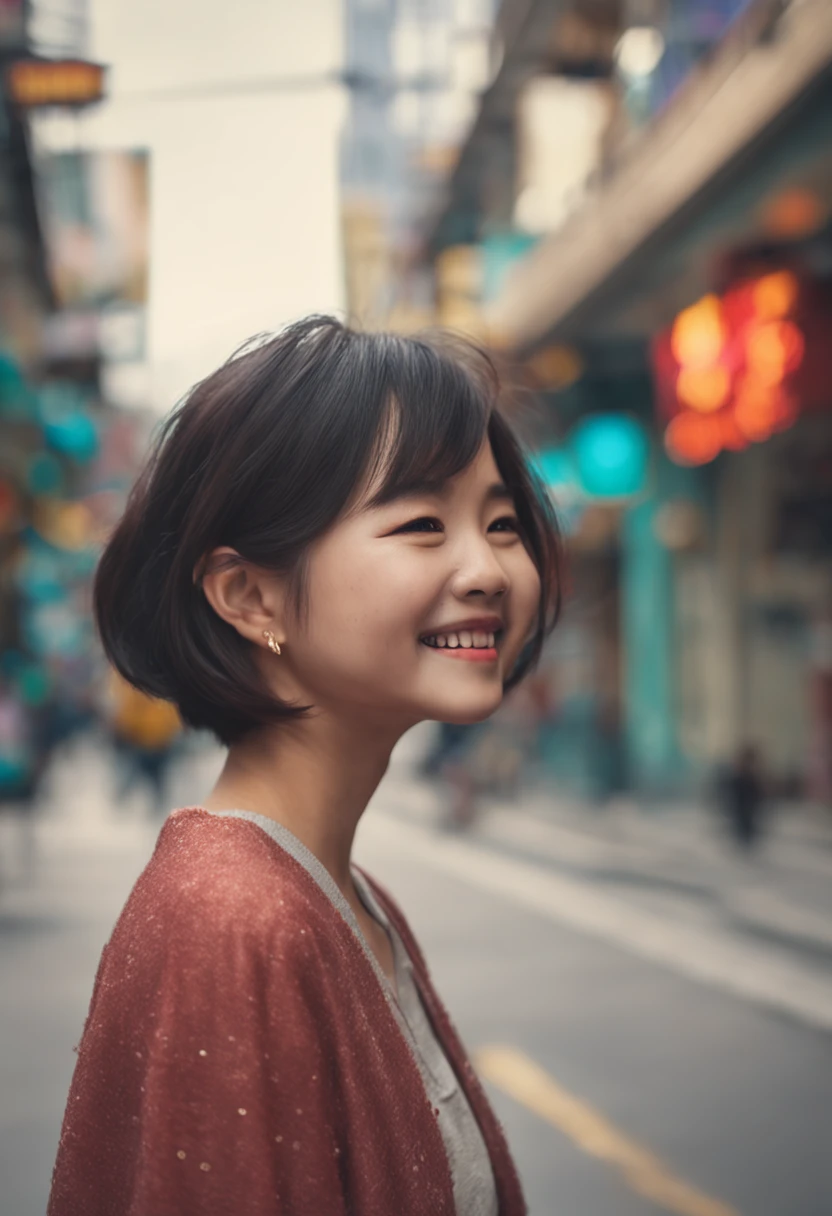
(725, 368)
(734, 439)
(761, 408)
(755, 417)
(698, 335)
(703, 388)
(775, 295)
(693, 439)
(795, 212)
(787, 411)
(773, 350)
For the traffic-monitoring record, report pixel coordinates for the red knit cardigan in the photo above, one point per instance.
(240, 1057)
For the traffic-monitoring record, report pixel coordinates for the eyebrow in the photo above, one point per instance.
(498, 491)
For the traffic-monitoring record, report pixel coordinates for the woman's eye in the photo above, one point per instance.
(425, 524)
(507, 523)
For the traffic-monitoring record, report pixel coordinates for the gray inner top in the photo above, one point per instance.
(473, 1179)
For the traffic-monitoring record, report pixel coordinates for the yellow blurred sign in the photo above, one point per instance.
(144, 721)
(67, 525)
(458, 271)
(556, 367)
(54, 82)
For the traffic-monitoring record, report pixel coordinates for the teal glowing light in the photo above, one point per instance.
(16, 398)
(500, 252)
(55, 631)
(38, 577)
(44, 474)
(610, 453)
(555, 467)
(34, 684)
(74, 434)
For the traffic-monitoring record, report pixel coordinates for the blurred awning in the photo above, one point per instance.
(753, 123)
(482, 180)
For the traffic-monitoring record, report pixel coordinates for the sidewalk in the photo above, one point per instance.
(782, 892)
(60, 894)
(676, 861)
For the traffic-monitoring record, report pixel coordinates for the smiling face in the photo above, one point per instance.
(417, 608)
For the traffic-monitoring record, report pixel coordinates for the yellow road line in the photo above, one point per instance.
(529, 1084)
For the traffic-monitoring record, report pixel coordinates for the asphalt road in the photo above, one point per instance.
(624, 1087)
(724, 1096)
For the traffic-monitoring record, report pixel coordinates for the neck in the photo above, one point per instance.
(315, 777)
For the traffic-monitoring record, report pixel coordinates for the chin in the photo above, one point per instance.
(468, 712)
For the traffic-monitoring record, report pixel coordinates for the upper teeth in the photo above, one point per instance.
(465, 638)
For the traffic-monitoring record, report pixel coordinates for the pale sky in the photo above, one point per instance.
(244, 186)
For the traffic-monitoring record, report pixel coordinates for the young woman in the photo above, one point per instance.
(336, 536)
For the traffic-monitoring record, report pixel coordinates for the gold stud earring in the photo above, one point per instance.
(274, 645)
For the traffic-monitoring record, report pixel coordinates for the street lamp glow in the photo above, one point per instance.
(639, 50)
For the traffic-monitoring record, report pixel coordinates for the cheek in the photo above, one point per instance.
(525, 592)
(368, 597)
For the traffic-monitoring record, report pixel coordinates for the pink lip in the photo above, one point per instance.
(487, 624)
(486, 654)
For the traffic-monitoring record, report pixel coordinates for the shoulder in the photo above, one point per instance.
(218, 880)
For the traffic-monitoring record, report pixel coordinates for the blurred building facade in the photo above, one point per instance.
(238, 115)
(144, 238)
(413, 71)
(630, 200)
(640, 217)
(53, 424)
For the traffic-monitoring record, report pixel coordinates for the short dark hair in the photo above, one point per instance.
(264, 455)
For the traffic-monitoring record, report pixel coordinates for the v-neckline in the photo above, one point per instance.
(376, 913)
(295, 847)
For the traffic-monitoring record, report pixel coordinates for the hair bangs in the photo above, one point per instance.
(437, 411)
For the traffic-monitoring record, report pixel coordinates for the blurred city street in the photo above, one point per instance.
(622, 880)
(647, 1046)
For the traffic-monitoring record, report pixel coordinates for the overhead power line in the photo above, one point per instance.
(355, 81)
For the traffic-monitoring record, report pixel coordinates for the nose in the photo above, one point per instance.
(480, 572)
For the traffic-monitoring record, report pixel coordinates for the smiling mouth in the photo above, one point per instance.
(466, 644)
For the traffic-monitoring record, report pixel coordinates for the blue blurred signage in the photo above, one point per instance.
(44, 474)
(16, 400)
(68, 426)
(39, 577)
(54, 630)
(610, 454)
(555, 468)
(74, 435)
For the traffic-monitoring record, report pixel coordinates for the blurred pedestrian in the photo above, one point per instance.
(21, 765)
(445, 762)
(445, 741)
(143, 732)
(492, 759)
(458, 771)
(336, 537)
(743, 797)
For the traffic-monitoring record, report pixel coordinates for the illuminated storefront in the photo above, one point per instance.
(686, 282)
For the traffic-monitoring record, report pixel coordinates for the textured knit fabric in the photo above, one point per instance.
(473, 1179)
(241, 1058)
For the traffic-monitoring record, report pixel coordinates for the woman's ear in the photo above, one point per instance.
(245, 595)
